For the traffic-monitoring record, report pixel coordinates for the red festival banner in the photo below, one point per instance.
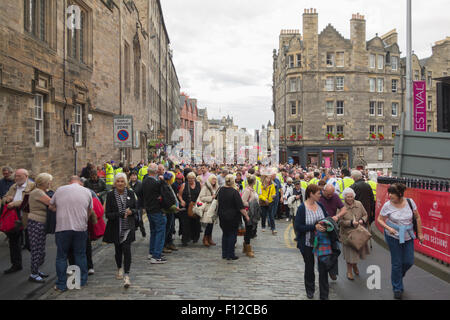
(434, 209)
(420, 106)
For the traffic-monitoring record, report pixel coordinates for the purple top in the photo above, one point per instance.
(332, 204)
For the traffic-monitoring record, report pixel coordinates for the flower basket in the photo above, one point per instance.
(340, 137)
(330, 136)
(381, 136)
(393, 135)
(292, 137)
(373, 136)
(299, 138)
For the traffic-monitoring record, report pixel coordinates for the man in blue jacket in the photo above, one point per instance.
(7, 181)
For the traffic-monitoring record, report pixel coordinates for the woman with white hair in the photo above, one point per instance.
(121, 212)
(38, 202)
(207, 195)
(356, 215)
(190, 226)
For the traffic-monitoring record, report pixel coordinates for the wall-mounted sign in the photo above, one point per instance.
(123, 131)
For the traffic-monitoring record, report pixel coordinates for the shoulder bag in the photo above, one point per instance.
(414, 216)
(358, 237)
(190, 209)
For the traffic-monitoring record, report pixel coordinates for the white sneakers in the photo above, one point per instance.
(127, 282)
(91, 272)
(119, 275)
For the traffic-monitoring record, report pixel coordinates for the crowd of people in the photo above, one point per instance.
(325, 207)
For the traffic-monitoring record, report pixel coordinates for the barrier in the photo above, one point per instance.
(434, 209)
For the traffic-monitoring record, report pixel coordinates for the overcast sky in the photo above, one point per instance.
(223, 49)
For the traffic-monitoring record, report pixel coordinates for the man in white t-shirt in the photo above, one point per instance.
(73, 205)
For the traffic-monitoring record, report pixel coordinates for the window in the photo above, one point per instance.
(380, 62)
(329, 84)
(395, 109)
(330, 108)
(127, 66)
(394, 61)
(293, 130)
(360, 152)
(299, 82)
(429, 128)
(340, 130)
(373, 129)
(78, 125)
(373, 84)
(340, 108)
(35, 18)
(339, 83)
(416, 75)
(372, 61)
(394, 130)
(39, 120)
(380, 154)
(330, 59)
(372, 107)
(291, 61)
(299, 60)
(77, 38)
(430, 103)
(380, 109)
(340, 59)
(380, 85)
(330, 129)
(381, 129)
(430, 79)
(292, 85)
(394, 85)
(293, 107)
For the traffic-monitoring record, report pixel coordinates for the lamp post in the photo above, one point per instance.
(409, 97)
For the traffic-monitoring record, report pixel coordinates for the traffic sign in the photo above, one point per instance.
(123, 127)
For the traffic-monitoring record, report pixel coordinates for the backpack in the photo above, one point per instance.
(8, 220)
(96, 231)
(168, 197)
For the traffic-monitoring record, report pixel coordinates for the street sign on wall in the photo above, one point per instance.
(123, 131)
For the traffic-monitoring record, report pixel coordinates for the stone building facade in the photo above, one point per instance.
(331, 93)
(54, 78)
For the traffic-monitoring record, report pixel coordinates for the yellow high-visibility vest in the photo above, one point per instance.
(304, 184)
(109, 175)
(346, 183)
(373, 185)
(256, 186)
(142, 173)
(314, 181)
(280, 177)
(118, 170)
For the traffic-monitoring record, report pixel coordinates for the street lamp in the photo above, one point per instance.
(409, 97)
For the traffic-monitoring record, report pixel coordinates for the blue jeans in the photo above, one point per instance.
(273, 212)
(265, 213)
(64, 241)
(170, 226)
(229, 239)
(402, 259)
(157, 233)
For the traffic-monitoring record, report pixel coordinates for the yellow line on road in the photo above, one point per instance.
(289, 238)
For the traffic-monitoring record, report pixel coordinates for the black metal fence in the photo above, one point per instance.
(434, 185)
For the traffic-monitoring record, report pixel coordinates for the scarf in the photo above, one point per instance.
(123, 222)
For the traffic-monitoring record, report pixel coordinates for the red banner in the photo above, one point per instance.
(434, 209)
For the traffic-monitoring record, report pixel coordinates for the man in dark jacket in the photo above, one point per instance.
(151, 192)
(364, 194)
(97, 185)
(7, 181)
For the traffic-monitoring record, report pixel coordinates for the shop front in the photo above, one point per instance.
(326, 157)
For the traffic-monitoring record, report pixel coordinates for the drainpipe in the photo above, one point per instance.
(120, 65)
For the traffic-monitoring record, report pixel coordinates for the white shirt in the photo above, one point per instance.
(402, 217)
(19, 193)
(335, 184)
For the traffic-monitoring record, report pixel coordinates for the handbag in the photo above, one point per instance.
(8, 220)
(358, 238)
(190, 209)
(241, 230)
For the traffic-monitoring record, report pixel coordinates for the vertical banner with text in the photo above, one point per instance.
(420, 106)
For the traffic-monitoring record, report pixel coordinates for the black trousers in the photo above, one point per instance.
(310, 278)
(190, 228)
(248, 234)
(15, 248)
(90, 263)
(123, 249)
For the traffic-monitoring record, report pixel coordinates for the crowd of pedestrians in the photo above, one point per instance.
(325, 206)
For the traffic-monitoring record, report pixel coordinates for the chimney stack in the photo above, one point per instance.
(311, 37)
(358, 31)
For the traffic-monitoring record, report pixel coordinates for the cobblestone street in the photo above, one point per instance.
(197, 272)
